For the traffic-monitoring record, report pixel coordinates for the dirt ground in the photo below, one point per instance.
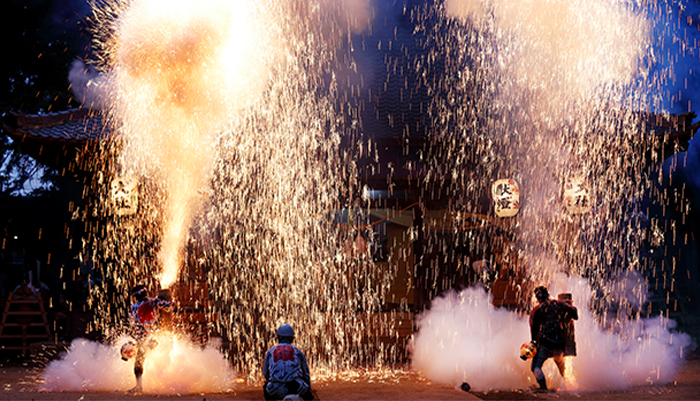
(19, 382)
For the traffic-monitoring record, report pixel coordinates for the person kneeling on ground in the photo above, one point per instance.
(285, 368)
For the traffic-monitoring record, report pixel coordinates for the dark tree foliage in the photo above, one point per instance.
(41, 38)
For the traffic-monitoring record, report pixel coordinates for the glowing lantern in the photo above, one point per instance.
(125, 197)
(576, 196)
(506, 197)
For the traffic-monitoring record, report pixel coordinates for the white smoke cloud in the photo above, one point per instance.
(175, 366)
(89, 86)
(463, 338)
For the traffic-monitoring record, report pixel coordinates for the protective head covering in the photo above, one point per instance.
(285, 330)
(139, 292)
(541, 293)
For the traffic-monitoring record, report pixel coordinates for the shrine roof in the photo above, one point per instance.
(71, 126)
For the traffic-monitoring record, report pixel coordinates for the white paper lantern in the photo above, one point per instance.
(506, 197)
(125, 196)
(576, 197)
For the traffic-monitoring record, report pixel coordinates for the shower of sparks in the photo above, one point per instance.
(228, 112)
(231, 116)
(539, 95)
(541, 92)
(181, 70)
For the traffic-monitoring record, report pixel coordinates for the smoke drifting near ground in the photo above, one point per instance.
(175, 366)
(463, 337)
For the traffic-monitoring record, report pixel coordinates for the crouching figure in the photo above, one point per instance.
(285, 369)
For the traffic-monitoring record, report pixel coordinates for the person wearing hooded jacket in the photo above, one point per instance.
(285, 368)
(547, 330)
(144, 318)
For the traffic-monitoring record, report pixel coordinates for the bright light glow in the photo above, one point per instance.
(182, 70)
(542, 90)
(228, 118)
(174, 366)
(571, 382)
(242, 137)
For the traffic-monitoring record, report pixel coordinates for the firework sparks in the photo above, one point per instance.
(181, 71)
(233, 120)
(224, 111)
(547, 96)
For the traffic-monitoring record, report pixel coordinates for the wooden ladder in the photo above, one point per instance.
(23, 324)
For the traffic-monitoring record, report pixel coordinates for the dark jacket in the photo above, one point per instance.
(547, 323)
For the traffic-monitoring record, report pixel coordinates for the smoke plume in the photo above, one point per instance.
(89, 86)
(463, 338)
(175, 366)
(569, 52)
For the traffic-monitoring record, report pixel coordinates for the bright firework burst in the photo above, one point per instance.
(228, 113)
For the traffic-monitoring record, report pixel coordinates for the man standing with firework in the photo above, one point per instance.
(144, 317)
(547, 330)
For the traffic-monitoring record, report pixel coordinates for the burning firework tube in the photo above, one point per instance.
(165, 294)
(569, 335)
(166, 314)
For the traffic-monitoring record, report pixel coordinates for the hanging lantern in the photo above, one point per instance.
(576, 198)
(356, 248)
(125, 196)
(506, 197)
